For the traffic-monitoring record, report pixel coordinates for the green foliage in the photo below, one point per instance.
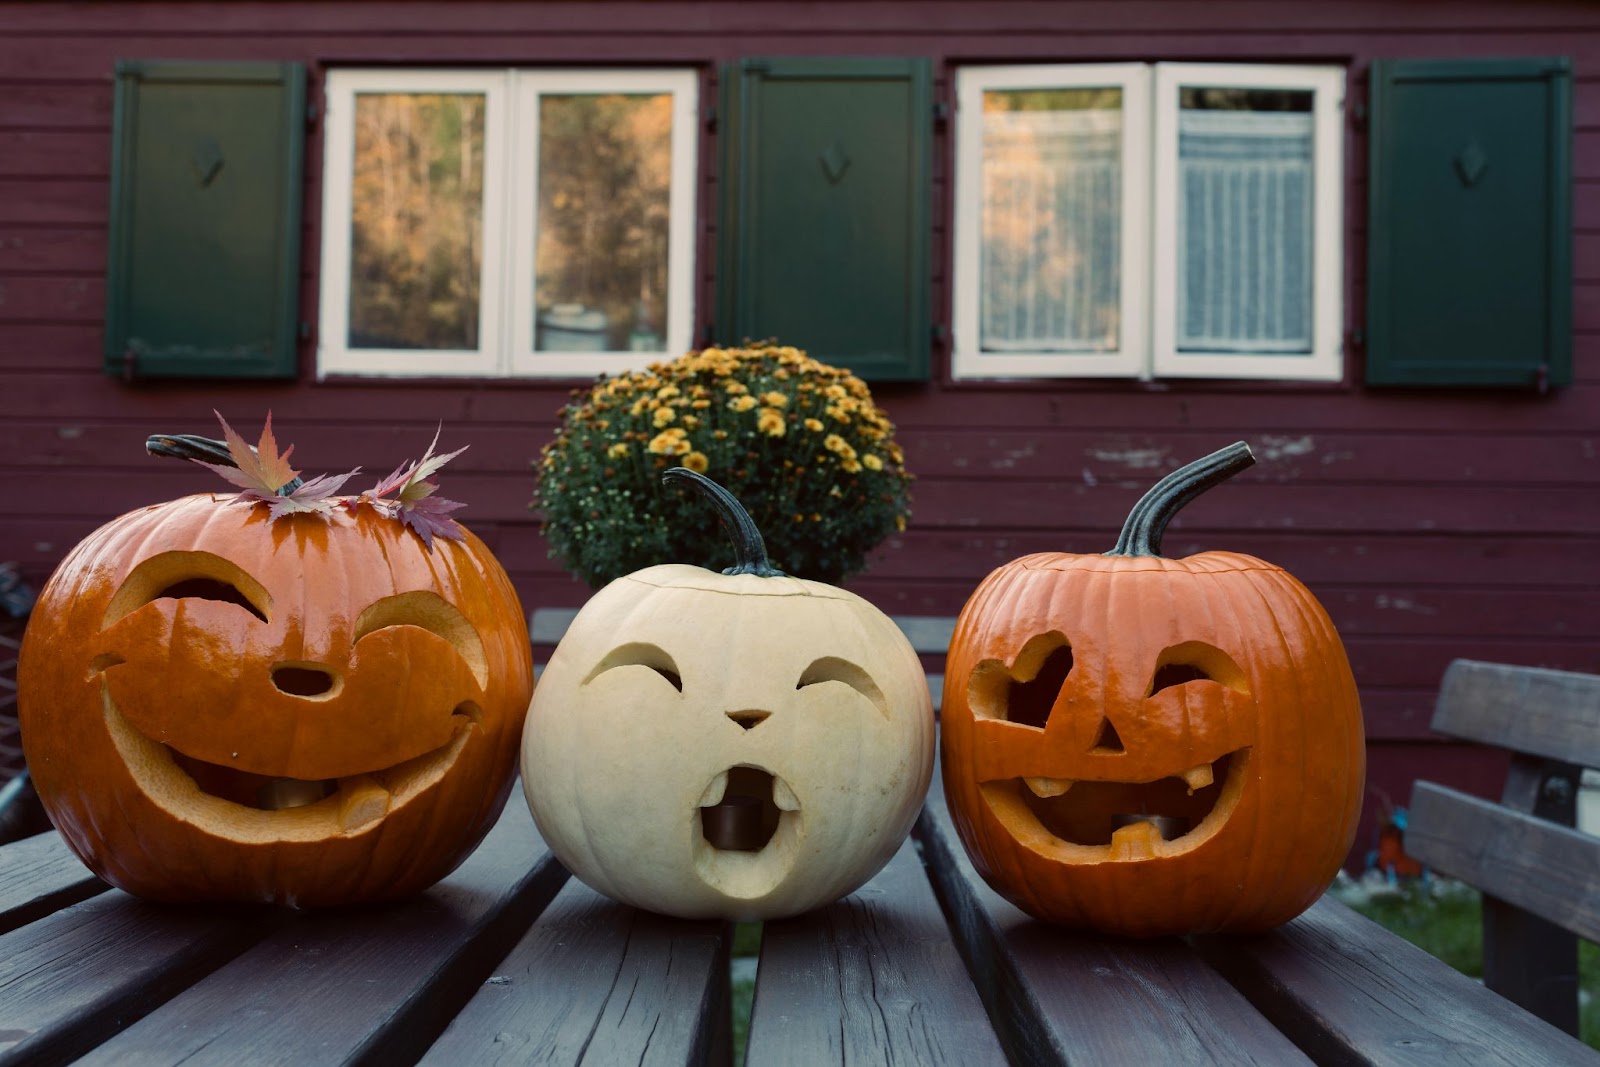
(800, 443)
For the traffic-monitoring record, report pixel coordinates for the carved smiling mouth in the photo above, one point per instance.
(1104, 820)
(255, 808)
(747, 829)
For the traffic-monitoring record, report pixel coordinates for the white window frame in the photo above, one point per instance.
(1149, 244)
(1325, 361)
(968, 359)
(510, 182)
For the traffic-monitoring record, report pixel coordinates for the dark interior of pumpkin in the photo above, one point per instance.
(746, 817)
(1090, 812)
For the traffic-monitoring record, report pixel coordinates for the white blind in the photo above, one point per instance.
(1051, 248)
(1245, 231)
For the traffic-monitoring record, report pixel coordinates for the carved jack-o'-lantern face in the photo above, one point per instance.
(734, 745)
(1151, 746)
(310, 711)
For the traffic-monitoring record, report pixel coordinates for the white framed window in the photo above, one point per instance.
(498, 223)
(1206, 244)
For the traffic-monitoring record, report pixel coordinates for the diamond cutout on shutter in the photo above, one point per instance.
(1471, 163)
(834, 162)
(207, 159)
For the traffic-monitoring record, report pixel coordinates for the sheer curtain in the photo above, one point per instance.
(1245, 250)
(1051, 247)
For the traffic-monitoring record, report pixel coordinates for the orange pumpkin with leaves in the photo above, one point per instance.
(318, 708)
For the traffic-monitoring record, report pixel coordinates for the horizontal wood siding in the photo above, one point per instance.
(1431, 524)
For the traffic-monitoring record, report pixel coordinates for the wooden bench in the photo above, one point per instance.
(1539, 876)
(510, 961)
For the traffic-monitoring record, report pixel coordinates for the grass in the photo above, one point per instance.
(1448, 923)
(746, 945)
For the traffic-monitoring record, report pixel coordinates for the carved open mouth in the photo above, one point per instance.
(1105, 820)
(747, 829)
(257, 808)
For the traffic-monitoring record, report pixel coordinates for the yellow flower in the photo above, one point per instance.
(850, 466)
(814, 425)
(691, 422)
(838, 413)
(816, 516)
(618, 450)
(667, 391)
(770, 422)
(720, 435)
(736, 388)
(775, 399)
(664, 416)
(671, 442)
(900, 523)
(742, 403)
(836, 392)
(871, 462)
(700, 404)
(834, 443)
(697, 462)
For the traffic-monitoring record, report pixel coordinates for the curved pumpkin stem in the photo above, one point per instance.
(1141, 534)
(204, 449)
(749, 550)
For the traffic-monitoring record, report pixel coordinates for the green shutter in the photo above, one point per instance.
(1470, 236)
(825, 210)
(203, 278)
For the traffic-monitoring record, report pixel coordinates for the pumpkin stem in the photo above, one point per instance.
(749, 550)
(1141, 534)
(204, 449)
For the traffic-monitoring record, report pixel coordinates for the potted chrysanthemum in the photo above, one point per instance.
(799, 442)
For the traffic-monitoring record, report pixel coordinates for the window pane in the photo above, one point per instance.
(1052, 220)
(1245, 200)
(605, 179)
(416, 220)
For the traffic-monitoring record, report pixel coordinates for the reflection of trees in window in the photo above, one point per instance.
(605, 169)
(1052, 195)
(416, 220)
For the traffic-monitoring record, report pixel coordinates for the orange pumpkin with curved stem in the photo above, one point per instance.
(219, 706)
(1150, 746)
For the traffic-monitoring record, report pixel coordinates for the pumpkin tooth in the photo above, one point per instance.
(1048, 787)
(714, 792)
(1136, 840)
(783, 796)
(362, 802)
(1198, 777)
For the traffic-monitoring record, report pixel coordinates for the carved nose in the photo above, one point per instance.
(302, 680)
(750, 718)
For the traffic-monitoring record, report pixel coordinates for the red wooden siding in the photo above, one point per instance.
(1431, 524)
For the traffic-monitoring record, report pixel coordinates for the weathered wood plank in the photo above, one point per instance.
(595, 981)
(874, 978)
(1057, 996)
(372, 984)
(1350, 992)
(1535, 864)
(70, 979)
(1554, 714)
(39, 875)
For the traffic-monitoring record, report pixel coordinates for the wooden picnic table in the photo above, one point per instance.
(511, 961)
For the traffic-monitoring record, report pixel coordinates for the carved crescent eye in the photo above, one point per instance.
(639, 654)
(432, 612)
(1196, 661)
(188, 575)
(834, 669)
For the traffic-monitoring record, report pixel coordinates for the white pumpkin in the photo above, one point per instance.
(739, 745)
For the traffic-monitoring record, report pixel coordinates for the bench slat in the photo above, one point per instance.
(1554, 714)
(1058, 996)
(599, 982)
(374, 984)
(873, 978)
(1535, 864)
(1347, 989)
(41, 875)
(71, 978)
